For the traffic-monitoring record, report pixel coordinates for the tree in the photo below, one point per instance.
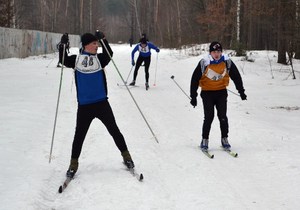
(6, 13)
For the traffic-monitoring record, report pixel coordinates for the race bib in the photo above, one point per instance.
(211, 74)
(87, 64)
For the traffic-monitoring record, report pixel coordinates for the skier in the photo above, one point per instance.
(144, 49)
(92, 96)
(212, 75)
(64, 40)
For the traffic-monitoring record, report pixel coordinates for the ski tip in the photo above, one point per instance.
(141, 178)
(212, 156)
(235, 155)
(60, 189)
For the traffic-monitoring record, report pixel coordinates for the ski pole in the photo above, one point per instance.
(57, 104)
(155, 70)
(129, 92)
(172, 77)
(129, 74)
(233, 92)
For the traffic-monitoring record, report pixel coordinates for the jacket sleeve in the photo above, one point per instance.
(68, 61)
(134, 51)
(195, 81)
(234, 74)
(152, 46)
(104, 57)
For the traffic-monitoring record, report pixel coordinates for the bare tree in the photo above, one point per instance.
(6, 13)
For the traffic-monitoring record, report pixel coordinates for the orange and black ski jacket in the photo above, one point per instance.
(212, 75)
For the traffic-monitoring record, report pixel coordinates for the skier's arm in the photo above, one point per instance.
(68, 61)
(195, 81)
(234, 74)
(134, 51)
(152, 46)
(104, 57)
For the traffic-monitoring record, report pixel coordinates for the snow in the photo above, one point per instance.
(264, 130)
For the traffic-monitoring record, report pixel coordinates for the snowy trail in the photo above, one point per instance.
(264, 130)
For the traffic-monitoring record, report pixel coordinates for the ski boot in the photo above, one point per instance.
(132, 83)
(204, 144)
(225, 143)
(72, 168)
(127, 160)
(147, 85)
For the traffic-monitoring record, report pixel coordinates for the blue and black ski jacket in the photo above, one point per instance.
(90, 77)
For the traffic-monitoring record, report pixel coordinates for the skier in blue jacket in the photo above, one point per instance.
(92, 96)
(144, 47)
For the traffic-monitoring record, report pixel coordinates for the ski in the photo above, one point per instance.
(64, 185)
(138, 176)
(230, 152)
(207, 153)
(129, 86)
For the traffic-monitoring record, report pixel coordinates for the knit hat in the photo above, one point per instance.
(143, 40)
(88, 38)
(215, 46)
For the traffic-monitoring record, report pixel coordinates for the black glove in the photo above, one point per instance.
(193, 102)
(99, 35)
(243, 96)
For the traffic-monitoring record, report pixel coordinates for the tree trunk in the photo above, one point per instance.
(297, 47)
(178, 24)
(281, 39)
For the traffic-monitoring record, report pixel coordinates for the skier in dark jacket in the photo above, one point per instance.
(212, 75)
(92, 96)
(144, 49)
(60, 46)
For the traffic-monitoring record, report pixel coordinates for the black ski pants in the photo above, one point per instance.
(85, 115)
(210, 100)
(139, 62)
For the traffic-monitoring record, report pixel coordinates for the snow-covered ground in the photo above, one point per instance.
(264, 130)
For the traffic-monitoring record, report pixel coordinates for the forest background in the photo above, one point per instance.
(238, 24)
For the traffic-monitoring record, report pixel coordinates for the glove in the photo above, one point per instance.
(157, 50)
(132, 62)
(193, 102)
(99, 35)
(243, 96)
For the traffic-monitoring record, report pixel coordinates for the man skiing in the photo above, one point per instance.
(144, 49)
(64, 40)
(92, 97)
(212, 75)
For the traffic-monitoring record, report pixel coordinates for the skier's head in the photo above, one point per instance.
(215, 46)
(215, 50)
(87, 38)
(143, 41)
(89, 43)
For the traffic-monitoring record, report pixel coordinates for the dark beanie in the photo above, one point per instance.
(143, 40)
(88, 38)
(215, 46)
